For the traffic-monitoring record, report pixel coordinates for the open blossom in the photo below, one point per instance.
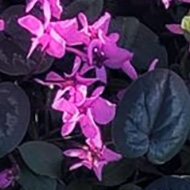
(2, 25)
(50, 8)
(6, 178)
(51, 42)
(93, 157)
(92, 108)
(74, 84)
(102, 49)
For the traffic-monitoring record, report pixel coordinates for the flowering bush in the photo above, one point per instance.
(92, 98)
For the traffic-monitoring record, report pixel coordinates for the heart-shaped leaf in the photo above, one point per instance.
(170, 183)
(117, 172)
(46, 159)
(91, 8)
(140, 40)
(14, 116)
(14, 47)
(30, 181)
(153, 117)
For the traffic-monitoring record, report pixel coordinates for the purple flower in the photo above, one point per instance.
(102, 48)
(50, 40)
(74, 84)
(2, 25)
(6, 178)
(93, 108)
(50, 7)
(93, 157)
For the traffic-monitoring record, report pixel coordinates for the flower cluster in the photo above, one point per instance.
(79, 98)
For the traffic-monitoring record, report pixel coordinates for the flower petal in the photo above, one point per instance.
(98, 169)
(175, 28)
(32, 24)
(80, 153)
(68, 128)
(116, 56)
(110, 155)
(128, 68)
(103, 111)
(101, 74)
(30, 5)
(56, 8)
(76, 166)
(153, 64)
(102, 23)
(47, 12)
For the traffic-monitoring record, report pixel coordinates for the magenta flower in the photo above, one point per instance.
(93, 108)
(102, 48)
(50, 7)
(47, 36)
(2, 25)
(74, 84)
(6, 178)
(92, 157)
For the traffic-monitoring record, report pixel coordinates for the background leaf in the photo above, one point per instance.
(129, 187)
(14, 116)
(14, 47)
(46, 159)
(170, 183)
(79, 184)
(139, 39)
(91, 8)
(153, 117)
(30, 181)
(116, 173)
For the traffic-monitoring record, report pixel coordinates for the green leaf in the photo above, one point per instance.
(42, 158)
(153, 117)
(170, 183)
(91, 8)
(15, 47)
(14, 116)
(129, 187)
(30, 181)
(79, 184)
(116, 173)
